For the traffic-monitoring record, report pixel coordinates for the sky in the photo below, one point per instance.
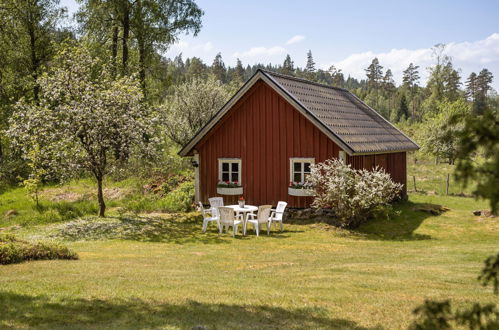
(346, 34)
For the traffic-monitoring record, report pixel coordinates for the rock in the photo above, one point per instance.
(11, 213)
(484, 213)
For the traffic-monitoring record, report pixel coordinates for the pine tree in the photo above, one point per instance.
(288, 67)
(410, 76)
(374, 73)
(452, 82)
(403, 109)
(388, 82)
(471, 88)
(218, 68)
(482, 85)
(238, 75)
(310, 67)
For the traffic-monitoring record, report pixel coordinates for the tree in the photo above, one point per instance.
(471, 88)
(156, 24)
(153, 24)
(102, 21)
(238, 74)
(84, 115)
(196, 68)
(218, 68)
(28, 27)
(482, 87)
(374, 73)
(309, 71)
(403, 109)
(440, 134)
(337, 78)
(191, 106)
(479, 136)
(388, 82)
(410, 76)
(288, 67)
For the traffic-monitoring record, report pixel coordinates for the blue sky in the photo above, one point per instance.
(347, 34)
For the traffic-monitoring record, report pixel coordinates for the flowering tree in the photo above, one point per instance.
(191, 106)
(85, 119)
(351, 193)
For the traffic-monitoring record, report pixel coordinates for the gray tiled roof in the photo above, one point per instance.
(357, 125)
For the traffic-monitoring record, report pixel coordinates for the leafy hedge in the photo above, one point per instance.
(14, 250)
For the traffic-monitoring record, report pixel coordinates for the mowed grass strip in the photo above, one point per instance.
(309, 276)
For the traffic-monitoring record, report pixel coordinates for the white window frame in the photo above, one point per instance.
(230, 161)
(342, 156)
(294, 160)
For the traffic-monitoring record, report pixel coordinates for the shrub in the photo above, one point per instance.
(180, 199)
(352, 194)
(14, 250)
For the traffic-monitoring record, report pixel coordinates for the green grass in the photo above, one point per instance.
(432, 178)
(166, 273)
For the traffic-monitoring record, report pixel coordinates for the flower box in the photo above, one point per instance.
(230, 191)
(300, 192)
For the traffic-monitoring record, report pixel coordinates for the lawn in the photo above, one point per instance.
(159, 270)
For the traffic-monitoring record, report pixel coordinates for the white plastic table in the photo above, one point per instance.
(244, 210)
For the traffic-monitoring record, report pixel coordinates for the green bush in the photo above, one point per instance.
(179, 200)
(13, 250)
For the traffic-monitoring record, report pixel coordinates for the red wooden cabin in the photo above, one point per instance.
(275, 126)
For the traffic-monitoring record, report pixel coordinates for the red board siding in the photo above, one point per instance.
(265, 131)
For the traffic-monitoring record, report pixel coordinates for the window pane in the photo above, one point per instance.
(297, 167)
(297, 177)
(225, 167)
(235, 167)
(225, 176)
(306, 167)
(235, 177)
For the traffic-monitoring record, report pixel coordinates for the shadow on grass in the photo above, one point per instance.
(402, 226)
(178, 228)
(45, 312)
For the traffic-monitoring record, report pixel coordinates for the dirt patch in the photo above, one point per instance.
(62, 195)
(433, 209)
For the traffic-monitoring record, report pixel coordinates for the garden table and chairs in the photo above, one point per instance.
(235, 215)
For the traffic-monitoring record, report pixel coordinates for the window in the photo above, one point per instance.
(300, 169)
(229, 169)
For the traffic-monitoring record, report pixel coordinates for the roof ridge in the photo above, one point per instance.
(282, 75)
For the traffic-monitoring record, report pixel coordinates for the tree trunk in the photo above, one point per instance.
(126, 35)
(34, 58)
(100, 197)
(142, 65)
(114, 48)
(142, 47)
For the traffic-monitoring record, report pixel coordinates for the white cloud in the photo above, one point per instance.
(468, 56)
(295, 39)
(260, 52)
(192, 50)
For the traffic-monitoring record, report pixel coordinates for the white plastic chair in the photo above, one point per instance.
(216, 201)
(262, 217)
(228, 219)
(277, 214)
(209, 215)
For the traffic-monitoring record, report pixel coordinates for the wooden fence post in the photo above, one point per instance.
(447, 184)
(414, 180)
